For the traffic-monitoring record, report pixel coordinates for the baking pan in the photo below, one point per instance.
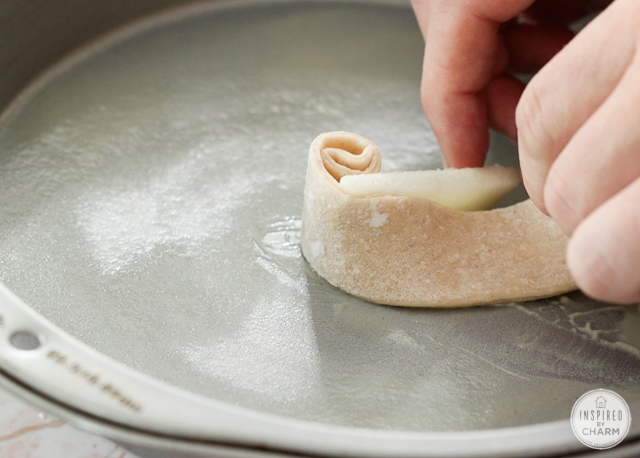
(152, 164)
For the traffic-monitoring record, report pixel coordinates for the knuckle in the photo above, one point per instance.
(534, 190)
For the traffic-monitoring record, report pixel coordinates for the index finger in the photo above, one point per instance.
(463, 53)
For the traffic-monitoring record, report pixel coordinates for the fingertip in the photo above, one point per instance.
(530, 179)
(535, 156)
(595, 274)
(463, 149)
(590, 270)
(558, 199)
(534, 195)
(603, 257)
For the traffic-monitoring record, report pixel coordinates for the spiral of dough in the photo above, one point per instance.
(410, 251)
(345, 153)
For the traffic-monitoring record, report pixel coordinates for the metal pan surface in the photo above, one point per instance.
(150, 201)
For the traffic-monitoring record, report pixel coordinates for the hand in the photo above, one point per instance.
(579, 140)
(470, 47)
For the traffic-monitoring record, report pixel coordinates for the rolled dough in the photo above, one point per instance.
(409, 251)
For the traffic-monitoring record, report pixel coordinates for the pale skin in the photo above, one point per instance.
(577, 122)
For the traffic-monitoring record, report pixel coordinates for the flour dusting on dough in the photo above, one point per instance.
(410, 251)
(378, 219)
(375, 218)
(317, 249)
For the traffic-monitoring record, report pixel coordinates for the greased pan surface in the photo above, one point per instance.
(150, 201)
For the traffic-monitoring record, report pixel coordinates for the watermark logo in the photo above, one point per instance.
(600, 419)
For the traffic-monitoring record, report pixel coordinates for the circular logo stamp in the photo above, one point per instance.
(600, 419)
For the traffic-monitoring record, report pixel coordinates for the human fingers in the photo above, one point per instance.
(601, 158)
(604, 252)
(463, 53)
(567, 91)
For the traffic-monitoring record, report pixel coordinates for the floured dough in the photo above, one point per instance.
(410, 251)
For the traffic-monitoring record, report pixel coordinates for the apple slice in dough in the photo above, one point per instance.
(463, 189)
(408, 250)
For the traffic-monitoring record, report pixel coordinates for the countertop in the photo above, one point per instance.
(26, 432)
